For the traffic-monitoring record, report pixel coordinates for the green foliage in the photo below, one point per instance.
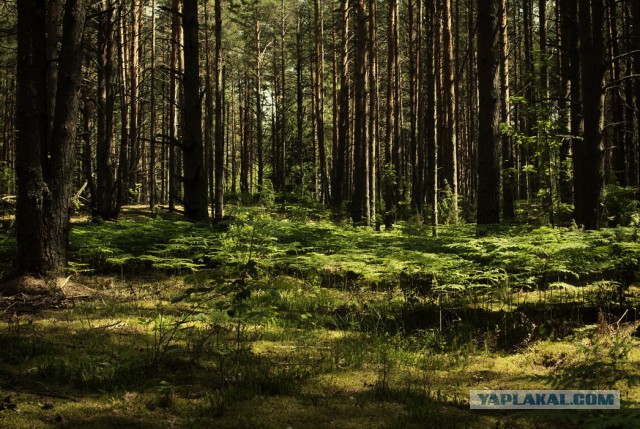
(621, 206)
(447, 209)
(7, 177)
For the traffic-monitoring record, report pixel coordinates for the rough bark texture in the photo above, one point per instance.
(589, 179)
(360, 204)
(195, 179)
(489, 117)
(107, 206)
(45, 173)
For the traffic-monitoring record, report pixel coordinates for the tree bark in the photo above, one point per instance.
(339, 185)
(107, 205)
(489, 115)
(195, 179)
(174, 97)
(45, 174)
(391, 172)
(508, 211)
(152, 120)
(590, 178)
(360, 205)
(449, 131)
(219, 129)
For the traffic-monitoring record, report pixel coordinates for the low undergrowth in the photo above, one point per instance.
(289, 319)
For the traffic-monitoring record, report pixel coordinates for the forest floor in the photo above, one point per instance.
(286, 318)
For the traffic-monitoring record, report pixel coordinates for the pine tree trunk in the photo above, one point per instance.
(175, 66)
(449, 131)
(590, 177)
(45, 173)
(508, 211)
(195, 179)
(391, 172)
(107, 206)
(360, 205)
(219, 130)
(152, 120)
(339, 183)
(373, 119)
(489, 114)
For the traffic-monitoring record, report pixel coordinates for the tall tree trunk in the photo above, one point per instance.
(635, 146)
(414, 22)
(616, 136)
(123, 159)
(219, 130)
(373, 125)
(87, 111)
(134, 92)
(489, 114)
(107, 205)
(564, 104)
(391, 136)
(45, 174)
(174, 97)
(590, 177)
(195, 179)
(299, 106)
(339, 182)
(209, 121)
(569, 23)
(319, 99)
(360, 205)
(258, 95)
(508, 211)
(430, 120)
(152, 120)
(449, 131)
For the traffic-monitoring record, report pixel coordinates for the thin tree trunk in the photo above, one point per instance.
(107, 206)
(339, 185)
(360, 205)
(174, 97)
(152, 158)
(219, 130)
(391, 143)
(258, 95)
(373, 110)
(508, 211)
(449, 137)
(319, 100)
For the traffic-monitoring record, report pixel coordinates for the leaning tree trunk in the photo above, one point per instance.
(45, 172)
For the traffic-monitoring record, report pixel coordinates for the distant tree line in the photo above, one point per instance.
(448, 110)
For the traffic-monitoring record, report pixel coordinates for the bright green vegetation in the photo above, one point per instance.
(289, 319)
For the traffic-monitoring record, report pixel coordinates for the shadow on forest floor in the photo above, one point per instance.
(270, 321)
